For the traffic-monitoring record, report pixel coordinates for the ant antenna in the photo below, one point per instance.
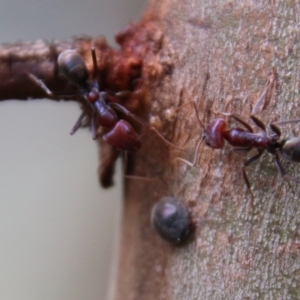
(192, 164)
(94, 57)
(196, 110)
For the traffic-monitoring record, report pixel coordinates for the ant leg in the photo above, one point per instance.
(265, 92)
(160, 136)
(258, 123)
(126, 112)
(238, 119)
(249, 162)
(133, 176)
(192, 164)
(40, 83)
(196, 111)
(78, 123)
(275, 129)
(93, 127)
(282, 171)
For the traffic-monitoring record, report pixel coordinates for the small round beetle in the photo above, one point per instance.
(171, 220)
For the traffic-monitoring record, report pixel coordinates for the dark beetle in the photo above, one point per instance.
(171, 220)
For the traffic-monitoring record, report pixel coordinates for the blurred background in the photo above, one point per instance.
(58, 228)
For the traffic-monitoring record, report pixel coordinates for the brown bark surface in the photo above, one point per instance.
(39, 58)
(219, 54)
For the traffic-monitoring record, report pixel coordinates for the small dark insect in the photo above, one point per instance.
(245, 139)
(171, 220)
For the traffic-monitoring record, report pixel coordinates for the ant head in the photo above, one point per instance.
(171, 220)
(290, 149)
(72, 65)
(123, 136)
(213, 134)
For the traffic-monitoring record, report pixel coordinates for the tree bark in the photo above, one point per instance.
(220, 55)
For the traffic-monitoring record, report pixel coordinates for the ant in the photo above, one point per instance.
(120, 133)
(245, 139)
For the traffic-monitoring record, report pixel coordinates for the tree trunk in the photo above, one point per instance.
(222, 55)
(219, 54)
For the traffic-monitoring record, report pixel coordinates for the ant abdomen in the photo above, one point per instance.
(213, 134)
(72, 65)
(290, 149)
(123, 137)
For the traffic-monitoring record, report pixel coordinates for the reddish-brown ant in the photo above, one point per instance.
(121, 133)
(216, 133)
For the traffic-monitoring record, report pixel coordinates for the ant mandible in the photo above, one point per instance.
(121, 133)
(216, 133)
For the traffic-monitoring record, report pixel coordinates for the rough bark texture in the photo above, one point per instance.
(220, 54)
